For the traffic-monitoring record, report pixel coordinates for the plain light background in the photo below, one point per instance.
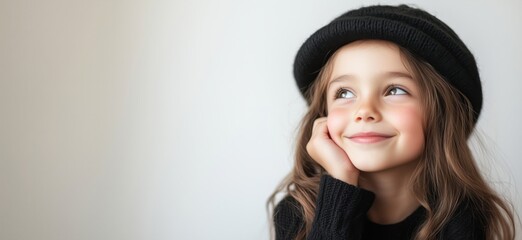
(176, 119)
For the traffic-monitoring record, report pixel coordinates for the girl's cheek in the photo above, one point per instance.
(337, 123)
(409, 118)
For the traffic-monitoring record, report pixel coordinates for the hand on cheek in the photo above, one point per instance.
(327, 153)
(335, 129)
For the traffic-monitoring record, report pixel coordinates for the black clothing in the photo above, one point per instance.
(341, 214)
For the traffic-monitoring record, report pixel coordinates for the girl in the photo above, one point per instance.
(382, 152)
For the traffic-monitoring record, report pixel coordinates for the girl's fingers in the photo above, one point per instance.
(318, 121)
(319, 126)
(329, 155)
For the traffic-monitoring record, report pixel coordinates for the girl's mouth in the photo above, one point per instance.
(369, 137)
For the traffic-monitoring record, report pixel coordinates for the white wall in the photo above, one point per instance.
(175, 120)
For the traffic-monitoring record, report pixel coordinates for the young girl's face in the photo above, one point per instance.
(374, 106)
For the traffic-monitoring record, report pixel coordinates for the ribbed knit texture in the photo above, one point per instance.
(341, 214)
(334, 217)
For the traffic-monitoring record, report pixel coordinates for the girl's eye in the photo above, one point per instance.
(396, 91)
(344, 93)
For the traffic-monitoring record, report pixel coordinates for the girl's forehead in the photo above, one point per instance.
(367, 57)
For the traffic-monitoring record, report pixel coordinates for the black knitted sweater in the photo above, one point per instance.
(341, 214)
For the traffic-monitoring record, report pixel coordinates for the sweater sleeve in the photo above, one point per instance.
(287, 219)
(340, 212)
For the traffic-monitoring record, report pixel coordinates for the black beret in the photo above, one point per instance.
(414, 29)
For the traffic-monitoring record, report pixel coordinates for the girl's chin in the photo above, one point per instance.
(374, 165)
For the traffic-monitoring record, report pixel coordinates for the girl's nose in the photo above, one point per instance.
(367, 112)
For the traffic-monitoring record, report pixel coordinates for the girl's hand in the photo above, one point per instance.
(329, 155)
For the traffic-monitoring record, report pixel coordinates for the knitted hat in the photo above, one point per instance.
(414, 29)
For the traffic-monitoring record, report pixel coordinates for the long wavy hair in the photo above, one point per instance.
(445, 176)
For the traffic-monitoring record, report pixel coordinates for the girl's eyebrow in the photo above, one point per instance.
(385, 75)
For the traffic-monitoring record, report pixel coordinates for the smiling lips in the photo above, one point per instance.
(369, 137)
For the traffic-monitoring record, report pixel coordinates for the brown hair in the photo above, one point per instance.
(446, 175)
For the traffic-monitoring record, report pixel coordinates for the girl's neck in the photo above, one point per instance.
(394, 200)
